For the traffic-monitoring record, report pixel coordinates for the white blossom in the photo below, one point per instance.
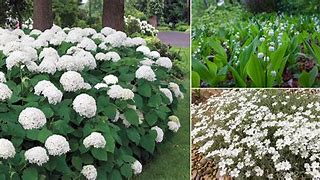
(95, 139)
(37, 155)
(137, 167)
(145, 72)
(32, 118)
(85, 105)
(160, 133)
(57, 145)
(90, 172)
(7, 149)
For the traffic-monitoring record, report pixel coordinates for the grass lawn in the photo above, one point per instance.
(172, 159)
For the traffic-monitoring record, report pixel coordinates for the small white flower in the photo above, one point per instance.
(57, 145)
(164, 62)
(110, 79)
(73, 81)
(137, 167)
(101, 85)
(144, 49)
(262, 39)
(37, 155)
(168, 93)
(260, 55)
(160, 133)
(113, 56)
(174, 123)
(5, 92)
(90, 172)
(273, 73)
(271, 48)
(95, 139)
(2, 77)
(271, 33)
(32, 118)
(7, 149)
(85, 105)
(145, 72)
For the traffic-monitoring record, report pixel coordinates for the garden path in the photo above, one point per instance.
(180, 39)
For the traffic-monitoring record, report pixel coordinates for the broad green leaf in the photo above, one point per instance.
(30, 173)
(133, 135)
(155, 100)
(77, 162)
(126, 170)
(132, 116)
(307, 79)
(151, 117)
(148, 142)
(195, 79)
(144, 90)
(255, 71)
(99, 154)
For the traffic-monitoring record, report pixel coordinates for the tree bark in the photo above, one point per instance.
(113, 14)
(42, 14)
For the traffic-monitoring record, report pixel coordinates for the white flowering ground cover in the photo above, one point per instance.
(260, 134)
(80, 103)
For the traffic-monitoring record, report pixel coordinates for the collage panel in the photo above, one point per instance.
(94, 89)
(255, 44)
(255, 133)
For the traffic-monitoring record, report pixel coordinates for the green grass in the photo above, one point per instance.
(172, 159)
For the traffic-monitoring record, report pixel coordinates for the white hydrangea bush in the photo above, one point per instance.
(80, 103)
(260, 134)
(135, 25)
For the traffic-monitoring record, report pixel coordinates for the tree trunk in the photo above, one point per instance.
(42, 14)
(153, 20)
(113, 14)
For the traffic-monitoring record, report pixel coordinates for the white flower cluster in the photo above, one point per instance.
(167, 93)
(144, 27)
(118, 92)
(20, 49)
(90, 172)
(57, 145)
(7, 149)
(137, 167)
(73, 81)
(176, 90)
(5, 92)
(260, 133)
(85, 105)
(160, 133)
(32, 118)
(95, 139)
(145, 72)
(48, 90)
(174, 123)
(37, 155)
(109, 56)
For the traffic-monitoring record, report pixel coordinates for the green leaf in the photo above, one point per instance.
(110, 110)
(307, 79)
(144, 90)
(30, 174)
(138, 101)
(43, 134)
(155, 100)
(126, 170)
(77, 163)
(202, 70)
(132, 116)
(255, 71)
(99, 154)
(148, 142)
(151, 117)
(195, 79)
(133, 135)
(115, 175)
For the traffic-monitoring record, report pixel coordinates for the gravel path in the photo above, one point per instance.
(180, 39)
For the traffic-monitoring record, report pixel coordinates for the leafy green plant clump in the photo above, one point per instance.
(76, 103)
(266, 50)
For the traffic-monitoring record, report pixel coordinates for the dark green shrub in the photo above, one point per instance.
(257, 6)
